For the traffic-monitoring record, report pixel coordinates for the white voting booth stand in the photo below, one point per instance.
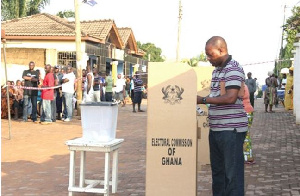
(98, 136)
(171, 130)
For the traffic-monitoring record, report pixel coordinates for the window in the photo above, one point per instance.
(66, 58)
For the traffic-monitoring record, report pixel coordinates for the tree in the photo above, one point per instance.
(291, 28)
(193, 62)
(66, 14)
(152, 51)
(202, 57)
(11, 9)
(35, 6)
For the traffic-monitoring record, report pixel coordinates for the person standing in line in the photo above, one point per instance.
(47, 96)
(270, 94)
(53, 102)
(88, 85)
(132, 89)
(251, 84)
(227, 119)
(68, 82)
(4, 106)
(102, 87)
(31, 78)
(288, 95)
(138, 85)
(120, 90)
(127, 87)
(108, 88)
(58, 91)
(39, 99)
(248, 154)
(96, 86)
(18, 99)
(83, 80)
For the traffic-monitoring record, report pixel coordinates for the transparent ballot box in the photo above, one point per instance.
(99, 121)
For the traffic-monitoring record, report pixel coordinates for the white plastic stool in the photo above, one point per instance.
(83, 146)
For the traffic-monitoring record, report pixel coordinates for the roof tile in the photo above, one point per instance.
(38, 25)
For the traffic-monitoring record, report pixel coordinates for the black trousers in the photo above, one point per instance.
(252, 99)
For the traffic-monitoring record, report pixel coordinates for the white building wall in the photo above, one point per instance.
(296, 98)
(14, 71)
(68, 46)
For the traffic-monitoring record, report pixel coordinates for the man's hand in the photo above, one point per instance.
(199, 100)
(34, 79)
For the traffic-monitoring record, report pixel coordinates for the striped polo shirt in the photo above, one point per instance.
(138, 84)
(231, 116)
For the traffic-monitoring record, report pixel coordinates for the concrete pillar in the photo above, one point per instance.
(51, 57)
(293, 63)
(297, 80)
(114, 71)
(136, 68)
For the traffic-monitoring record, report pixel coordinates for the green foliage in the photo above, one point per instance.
(35, 6)
(193, 62)
(152, 51)
(202, 57)
(11, 9)
(291, 28)
(66, 14)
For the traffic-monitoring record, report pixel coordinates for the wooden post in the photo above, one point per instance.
(78, 57)
(179, 32)
(7, 93)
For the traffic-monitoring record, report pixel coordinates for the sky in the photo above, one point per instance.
(252, 29)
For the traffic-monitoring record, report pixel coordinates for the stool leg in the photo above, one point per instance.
(82, 169)
(106, 174)
(72, 171)
(115, 171)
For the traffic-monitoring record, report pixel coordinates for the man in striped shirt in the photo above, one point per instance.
(227, 119)
(137, 99)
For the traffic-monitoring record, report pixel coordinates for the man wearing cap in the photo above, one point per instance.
(288, 95)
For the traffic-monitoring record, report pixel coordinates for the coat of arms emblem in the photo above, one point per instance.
(172, 94)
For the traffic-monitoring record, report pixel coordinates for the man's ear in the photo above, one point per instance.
(221, 51)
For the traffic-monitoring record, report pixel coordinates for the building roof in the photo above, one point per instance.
(102, 30)
(38, 25)
(46, 26)
(128, 39)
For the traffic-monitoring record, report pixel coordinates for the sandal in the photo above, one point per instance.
(249, 162)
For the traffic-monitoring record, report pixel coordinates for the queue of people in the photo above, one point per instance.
(97, 88)
(53, 97)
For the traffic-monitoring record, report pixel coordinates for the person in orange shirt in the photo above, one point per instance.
(248, 155)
